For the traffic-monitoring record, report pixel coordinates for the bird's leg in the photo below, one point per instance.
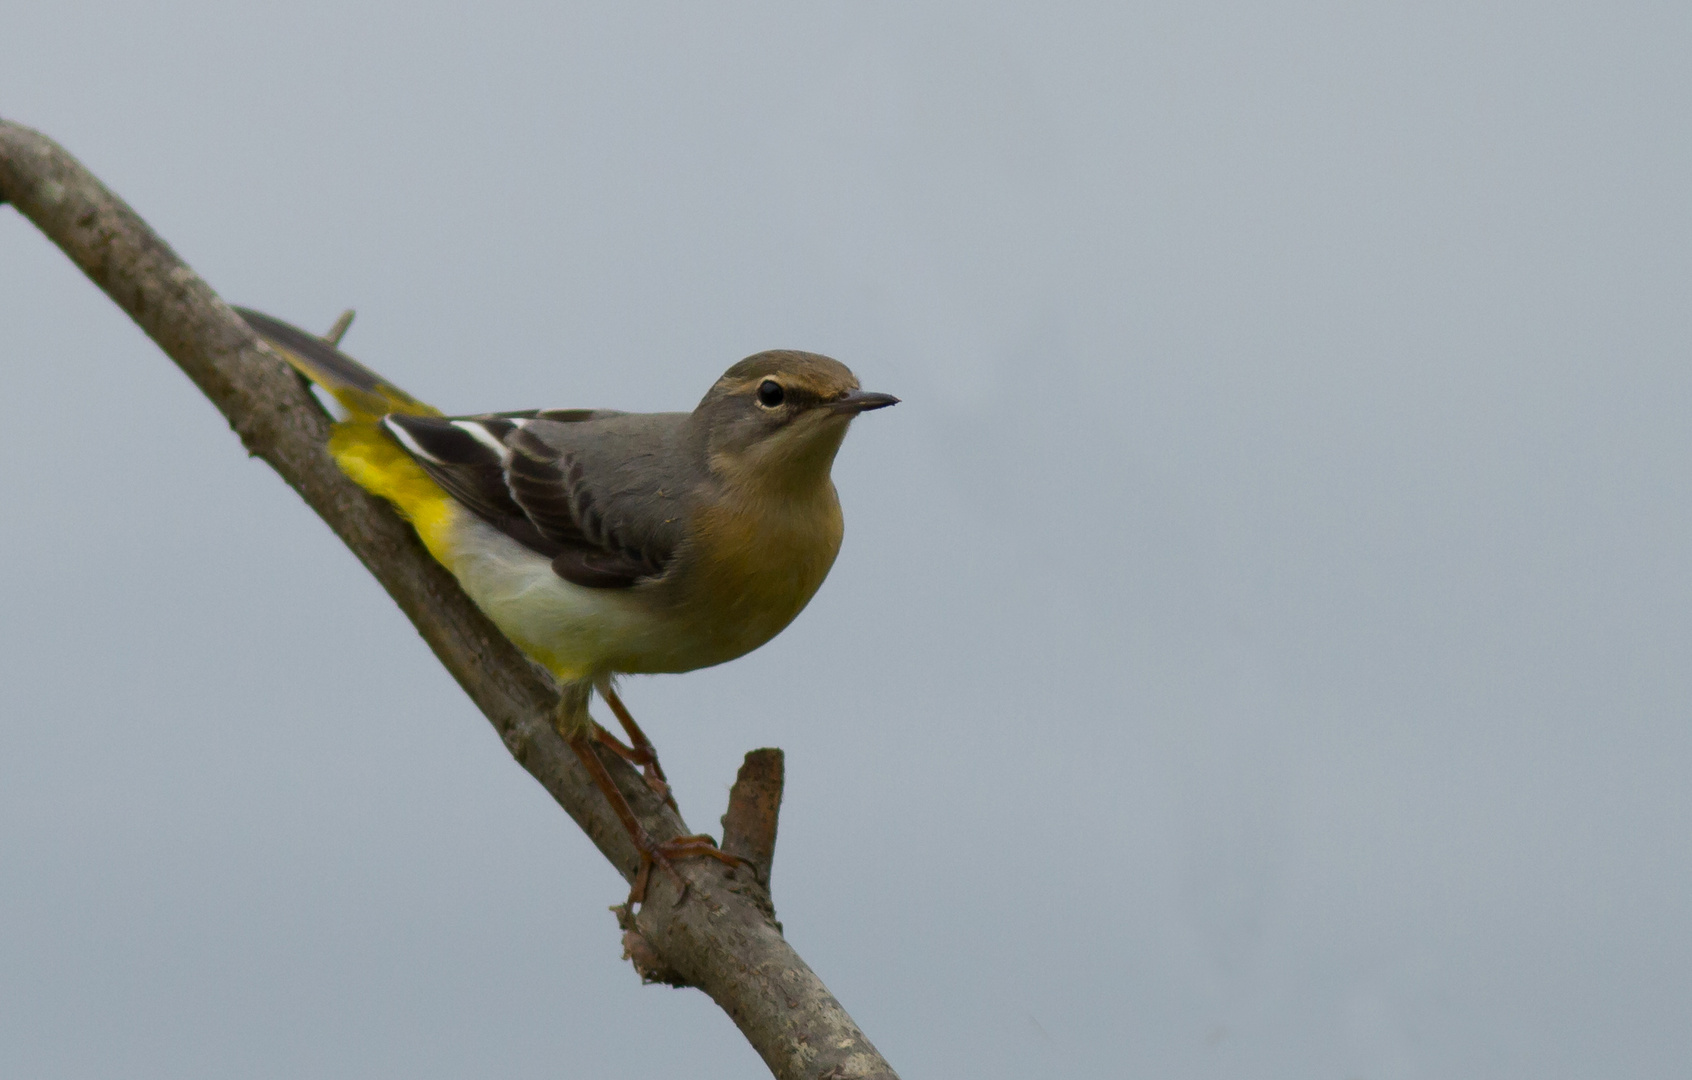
(640, 750)
(578, 729)
(645, 755)
(581, 732)
(641, 758)
(681, 847)
(650, 852)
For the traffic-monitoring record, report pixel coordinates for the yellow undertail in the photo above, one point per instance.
(369, 455)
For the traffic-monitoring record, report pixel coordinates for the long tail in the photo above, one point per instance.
(364, 393)
(360, 444)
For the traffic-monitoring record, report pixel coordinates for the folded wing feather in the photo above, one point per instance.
(533, 476)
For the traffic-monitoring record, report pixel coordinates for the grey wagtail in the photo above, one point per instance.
(606, 543)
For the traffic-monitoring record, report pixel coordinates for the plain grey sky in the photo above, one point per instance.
(1260, 644)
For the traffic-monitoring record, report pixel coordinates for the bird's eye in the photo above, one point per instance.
(770, 394)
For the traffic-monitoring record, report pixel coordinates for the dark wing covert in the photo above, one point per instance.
(535, 493)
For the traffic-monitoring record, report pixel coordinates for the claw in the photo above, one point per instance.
(649, 857)
(687, 847)
(637, 891)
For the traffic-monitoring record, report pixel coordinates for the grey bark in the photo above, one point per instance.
(723, 938)
(749, 827)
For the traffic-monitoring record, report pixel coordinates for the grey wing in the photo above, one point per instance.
(602, 519)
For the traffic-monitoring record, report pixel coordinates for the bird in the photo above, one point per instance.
(607, 543)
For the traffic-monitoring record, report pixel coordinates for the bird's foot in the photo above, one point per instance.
(681, 847)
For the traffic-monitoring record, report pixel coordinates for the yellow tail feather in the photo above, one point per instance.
(359, 444)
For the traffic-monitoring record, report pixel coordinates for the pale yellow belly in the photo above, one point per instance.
(573, 631)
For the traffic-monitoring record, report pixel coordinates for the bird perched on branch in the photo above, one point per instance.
(606, 543)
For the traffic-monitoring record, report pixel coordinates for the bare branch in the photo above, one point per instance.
(749, 827)
(721, 939)
(342, 325)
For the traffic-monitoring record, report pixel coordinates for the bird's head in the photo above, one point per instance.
(775, 420)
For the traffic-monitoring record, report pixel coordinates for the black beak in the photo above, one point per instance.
(862, 401)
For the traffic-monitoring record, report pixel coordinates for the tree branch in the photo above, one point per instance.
(749, 827)
(723, 938)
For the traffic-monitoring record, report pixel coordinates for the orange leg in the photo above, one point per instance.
(640, 750)
(682, 847)
(649, 852)
(642, 759)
